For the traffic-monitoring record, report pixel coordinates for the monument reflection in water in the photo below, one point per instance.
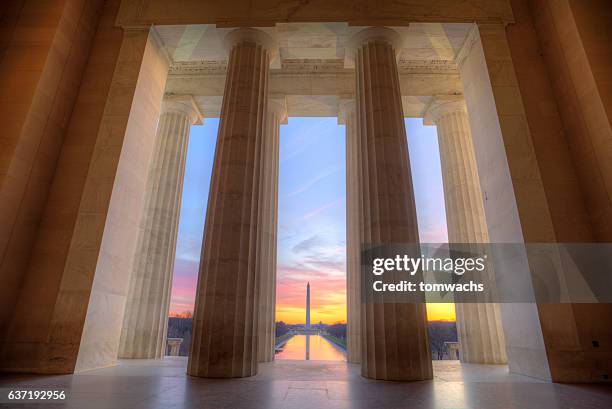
(308, 344)
(311, 347)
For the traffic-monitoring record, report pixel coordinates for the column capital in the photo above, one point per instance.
(376, 34)
(279, 107)
(250, 35)
(345, 107)
(184, 104)
(441, 106)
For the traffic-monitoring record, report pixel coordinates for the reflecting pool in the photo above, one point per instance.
(311, 347)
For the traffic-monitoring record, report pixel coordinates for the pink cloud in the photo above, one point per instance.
(318, 210)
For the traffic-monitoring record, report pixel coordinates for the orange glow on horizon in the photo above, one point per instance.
(327, 307)
(330, 314)
(181, 314)
(336, 313)
(441, 312)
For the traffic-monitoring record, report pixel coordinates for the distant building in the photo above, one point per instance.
(452, 350)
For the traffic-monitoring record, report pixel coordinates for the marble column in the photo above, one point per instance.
(145, 320)
(394, 344)
(347, 116)
(275, 116)
(224, 340)
(479, 325)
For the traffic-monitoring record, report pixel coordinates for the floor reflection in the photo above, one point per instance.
(300, 384)
(311, 347)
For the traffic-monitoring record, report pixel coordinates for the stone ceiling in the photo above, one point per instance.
(309, 52)
(315, 41)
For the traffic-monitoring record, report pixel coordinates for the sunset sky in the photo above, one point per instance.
(311, 230)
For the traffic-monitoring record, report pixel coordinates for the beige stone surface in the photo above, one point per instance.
(39, 81)
(592, 20)
(112, 202)
(27, 348)
(225, 325)
(515, 206)
(145, 322)
(394, 343)
(583, 103)
(102, 236)
(276, 114)
(316, 43)
(558, 170)
(570, 167)
(359, 12)
(479, 326)
(569, 355)
(313, 90)
(313, 69)
(348, 117)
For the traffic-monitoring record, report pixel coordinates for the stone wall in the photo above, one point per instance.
(117, 106)
(45, 48)
(561, 57)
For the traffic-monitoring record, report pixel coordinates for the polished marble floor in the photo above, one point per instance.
(141, 384)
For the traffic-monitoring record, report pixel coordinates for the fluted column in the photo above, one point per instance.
(394, 334)
(481, 336)
(347, 116)
(276, 114)
(224, 341)
(145, 321)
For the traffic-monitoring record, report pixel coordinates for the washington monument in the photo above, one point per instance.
(308, 305)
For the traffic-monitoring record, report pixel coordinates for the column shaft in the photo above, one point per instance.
(353, 301)
(479, 326)
(224, 342)
(269, 220)
(394, 334)
(145, 320)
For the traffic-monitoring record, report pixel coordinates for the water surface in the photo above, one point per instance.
(311, 347)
